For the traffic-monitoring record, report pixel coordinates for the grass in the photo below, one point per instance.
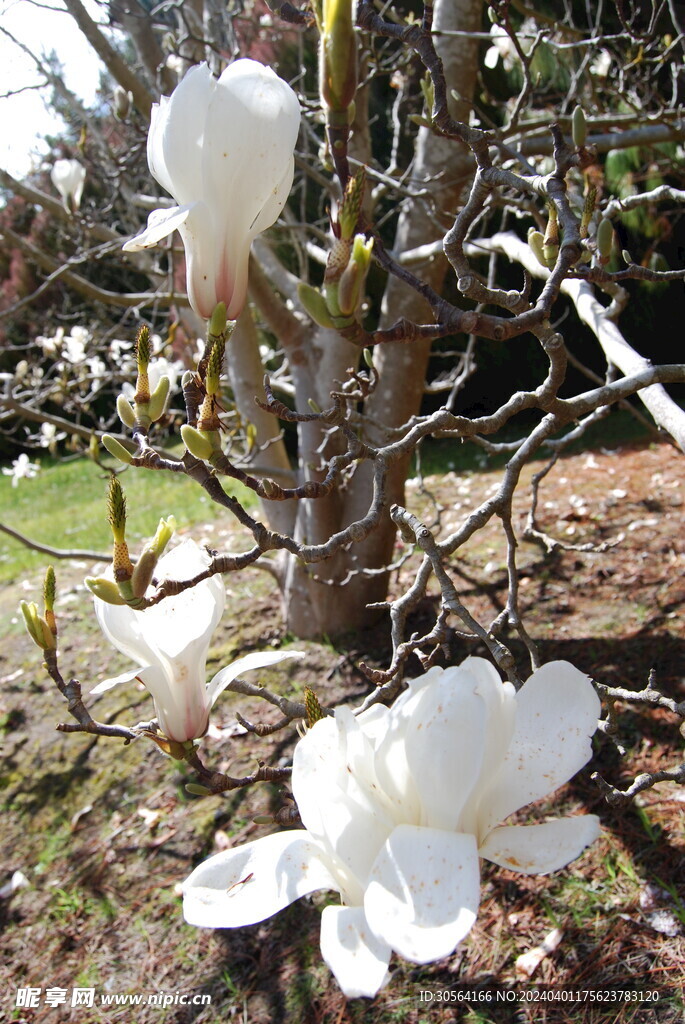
(65, 506)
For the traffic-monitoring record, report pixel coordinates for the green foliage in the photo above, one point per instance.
(37, 508)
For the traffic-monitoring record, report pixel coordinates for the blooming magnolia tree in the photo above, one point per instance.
(401, 796)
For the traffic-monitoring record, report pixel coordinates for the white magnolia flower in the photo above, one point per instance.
(74, 345)
(399, 804)
(21, 466)
(502, 45)
(49, 436)
(169, 643)
(223, 148)
(51, 344)
(68, 177)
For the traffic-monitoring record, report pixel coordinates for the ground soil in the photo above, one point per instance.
(104, 832)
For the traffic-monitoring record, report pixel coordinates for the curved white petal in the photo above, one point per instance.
(357, 958)
(500, 710)
(337, 801)
(424, 890)
(258, 659)
(556, 714)
(175, 139)
(108, 684)
(224, 150)
(170, 641)
(445, 768)
(539, 849)
(160, 224)
(252, 882)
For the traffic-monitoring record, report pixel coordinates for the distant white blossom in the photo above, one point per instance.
(21, 467)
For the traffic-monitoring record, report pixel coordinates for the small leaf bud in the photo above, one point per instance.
(605, 240)
(125, 412)
(535, 240)
(217, 323)
(105, 589)
(117, 449)
(198, 442)
(158, 399)
(315, 304)
(579, 127)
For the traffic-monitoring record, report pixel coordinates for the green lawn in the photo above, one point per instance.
(65, 506)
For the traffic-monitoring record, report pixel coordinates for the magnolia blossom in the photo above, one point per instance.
(169, 643)
(399, 804)
(68, 177)
(21, 466)
(502, 45)
(223, 148)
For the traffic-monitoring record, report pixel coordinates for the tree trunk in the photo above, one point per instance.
(337, 604)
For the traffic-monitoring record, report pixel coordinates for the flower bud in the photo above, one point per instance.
(143, 361)
(312, 707)
(338, 56)
(37, 627)
(123, 102)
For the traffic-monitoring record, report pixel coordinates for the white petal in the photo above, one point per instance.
(258, 659)
(445, 742)
(338, 802)
(424, 891)
(356, 957)
(177, 130)
(160, 224)
(252, 882)
(539, 849)
(556, 714)
(107, 684)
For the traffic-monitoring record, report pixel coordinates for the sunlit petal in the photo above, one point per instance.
(357, 958)
(250, 883)
(539, 849)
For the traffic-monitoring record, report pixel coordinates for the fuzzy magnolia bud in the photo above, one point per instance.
(143, 361)
(312, 707)
(351, 204)
(116, 508)
(122, 104)
(37, 626)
